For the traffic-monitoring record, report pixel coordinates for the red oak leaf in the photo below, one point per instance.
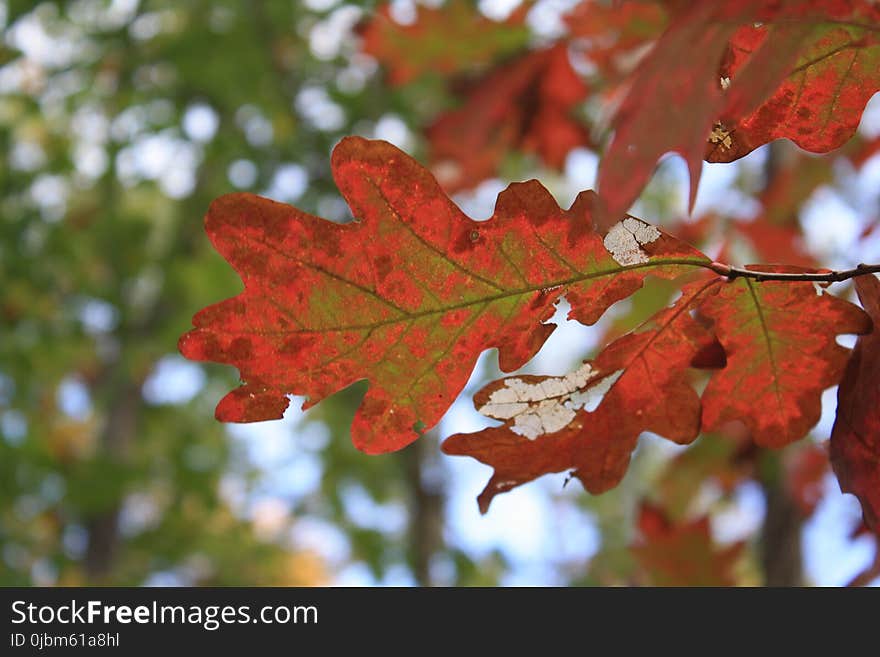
(781, 354)
(549, 429)
(447, 40)
(777, 242)
(525, 104)
(682, 554)
(407, 295)
(675, 97)
(820, 101)
(855, 440)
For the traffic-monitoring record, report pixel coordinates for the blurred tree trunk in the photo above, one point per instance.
(780, 539)
(781, 558)
(425, 509)
(124, 405)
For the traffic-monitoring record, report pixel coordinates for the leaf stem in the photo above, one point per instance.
(826, 276)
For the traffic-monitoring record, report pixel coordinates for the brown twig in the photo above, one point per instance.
(827, 276)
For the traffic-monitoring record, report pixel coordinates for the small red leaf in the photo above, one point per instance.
(451, 39)
(682, 554)
(781, 354)
(525, 104)
(855, 440)
(607, 35)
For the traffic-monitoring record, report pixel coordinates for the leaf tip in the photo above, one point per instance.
(250, 404)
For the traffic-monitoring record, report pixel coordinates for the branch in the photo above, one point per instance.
(826, 277)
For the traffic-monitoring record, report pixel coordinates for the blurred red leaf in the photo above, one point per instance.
(712, 459)
(408, 295)
(855, 440)
(777, 242)
(682, 553)
(781, 354)
(865, 152)
(523, 105)
(776, 235)
(451, 39)
(608, 35)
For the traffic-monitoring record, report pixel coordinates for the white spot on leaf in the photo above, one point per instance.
(549, 405)
(589, 398)
(626, 238)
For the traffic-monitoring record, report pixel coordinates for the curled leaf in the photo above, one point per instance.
(855, 439)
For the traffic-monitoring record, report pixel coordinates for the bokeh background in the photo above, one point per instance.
(119, 122)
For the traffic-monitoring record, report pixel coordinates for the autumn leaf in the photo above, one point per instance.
(773, 242)
(407, 295)
(524, 105)
(722, 461)
(608, 35)
(776, 234)
(781, 354)
(451, 39)
(819, 103)
(682, 553)
(640, 383)
(675, 97)
(806, 60)
(855, 439)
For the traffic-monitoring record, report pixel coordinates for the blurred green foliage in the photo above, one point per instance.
(119, 123)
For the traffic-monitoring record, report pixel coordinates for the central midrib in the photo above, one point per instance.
(404, 316)
(766, 333)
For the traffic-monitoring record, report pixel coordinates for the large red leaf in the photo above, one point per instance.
(408, 294)
(525, 104)
(451, 39)
(547, 428)
(819, 103)
(683, 553)
(781, 354)
(855, 440)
